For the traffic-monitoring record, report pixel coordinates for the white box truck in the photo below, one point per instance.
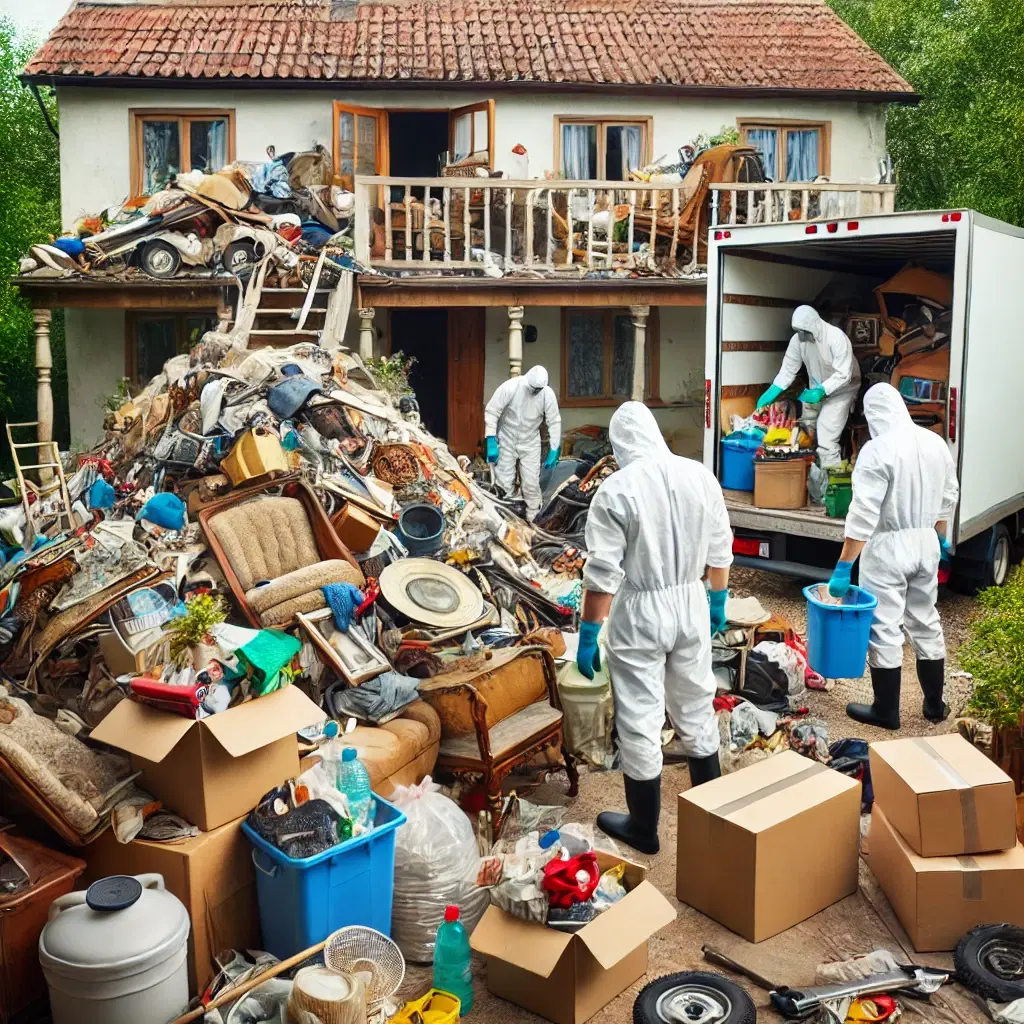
(758, 274)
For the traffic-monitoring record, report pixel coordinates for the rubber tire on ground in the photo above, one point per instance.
(970, 575)
(158, 247)
(243, 251)
(974, 975)
(645, 1008)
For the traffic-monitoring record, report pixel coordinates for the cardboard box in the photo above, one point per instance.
(944, 796)
(938, 899)
(213, 877)
(769, 846)
(567, 978)
(212, 771)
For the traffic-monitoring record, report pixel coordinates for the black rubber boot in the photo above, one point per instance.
(704, 769)
(639, 828)
(932, 676)
(885, 711)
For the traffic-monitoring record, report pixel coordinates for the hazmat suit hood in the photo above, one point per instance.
(537, 377)
(805, 318)
(634, 434)
(885, 410)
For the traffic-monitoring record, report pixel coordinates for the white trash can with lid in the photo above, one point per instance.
(116, 953)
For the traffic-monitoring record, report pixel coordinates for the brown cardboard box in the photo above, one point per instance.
(568, 978)
(740, 836)
(938, 899)
(211, 874)
(944, 796)
(212, 771)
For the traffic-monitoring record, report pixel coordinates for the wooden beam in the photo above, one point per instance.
(607, 295)
(759, 300)
(56, 295)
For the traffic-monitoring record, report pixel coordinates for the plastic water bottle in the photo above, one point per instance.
(354, 782)
(452, 972)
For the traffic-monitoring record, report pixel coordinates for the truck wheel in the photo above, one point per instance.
(989, 566)
(990, 962)
(160, 259)
(693, 997)
(239, 254)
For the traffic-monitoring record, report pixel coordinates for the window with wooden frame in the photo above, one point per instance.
(360, 142)
(790, 150)
(597, 357)
(165, 142)
(601, 149)
(471, 133)
(151, 338)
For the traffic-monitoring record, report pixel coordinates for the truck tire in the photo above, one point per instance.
(159, 259)
(990, 962)
(698, 996)
(983, 565)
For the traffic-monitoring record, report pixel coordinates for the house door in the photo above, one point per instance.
(466, 329)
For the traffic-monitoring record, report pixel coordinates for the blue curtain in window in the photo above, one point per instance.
(765, 141)
(579, 151)
(632, 136)
(802, 154)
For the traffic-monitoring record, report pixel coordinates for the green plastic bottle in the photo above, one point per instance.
(452, 972)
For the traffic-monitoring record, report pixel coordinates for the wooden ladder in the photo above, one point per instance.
(51, 480)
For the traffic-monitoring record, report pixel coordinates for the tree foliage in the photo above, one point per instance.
(964, 145)
(29, 213)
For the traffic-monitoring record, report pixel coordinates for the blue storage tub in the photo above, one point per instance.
(838, 634)
(738, 462)
(303, 901)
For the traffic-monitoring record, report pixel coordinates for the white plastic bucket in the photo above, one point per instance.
(116, 953)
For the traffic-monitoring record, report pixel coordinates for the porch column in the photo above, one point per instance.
(639, 316)
(44, 389)
(366, 334)
(515, 340)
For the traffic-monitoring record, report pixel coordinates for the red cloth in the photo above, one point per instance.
(561, 883)
(726, 702)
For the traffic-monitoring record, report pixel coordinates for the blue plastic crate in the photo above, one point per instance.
(738, 463)
(838, 634)
(303, 901)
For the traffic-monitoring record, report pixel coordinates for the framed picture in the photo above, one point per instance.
(863, 330)
(351, 654)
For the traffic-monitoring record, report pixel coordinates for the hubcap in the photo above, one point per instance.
(239, 258)
(160, 261)
(1004, 958)
(693, 1004)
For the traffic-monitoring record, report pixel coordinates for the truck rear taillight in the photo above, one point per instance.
(952, 413)
(852, 225)
(707, 402)
(752, 547)
(833, 228)
(955, 216)
(719, 235)
(811, 229)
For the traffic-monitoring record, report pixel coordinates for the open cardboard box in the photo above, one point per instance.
(567, 978)
(214, 770)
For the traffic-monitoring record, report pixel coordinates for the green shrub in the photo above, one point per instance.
(994, 654)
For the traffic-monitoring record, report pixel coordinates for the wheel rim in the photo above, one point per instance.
(160, 261)
(1003, 957)
(693, 1004)
(1001, 561)
(239, 258)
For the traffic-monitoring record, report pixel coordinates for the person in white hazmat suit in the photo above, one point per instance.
(834, 376)
(512, 420)
(904, 494)
(654, 528)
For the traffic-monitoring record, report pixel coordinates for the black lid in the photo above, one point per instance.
(115, 893)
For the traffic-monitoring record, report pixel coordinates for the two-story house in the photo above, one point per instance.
(550, 262)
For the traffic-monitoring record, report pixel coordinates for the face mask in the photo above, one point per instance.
(535, 391)
(806, 337)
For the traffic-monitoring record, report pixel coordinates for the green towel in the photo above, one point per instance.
(266, 657)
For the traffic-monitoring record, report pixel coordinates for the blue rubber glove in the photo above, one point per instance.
(768, 397)
(343, 599)
(491, 448)
(812, 396)
(717, 599)
(551, 458)
(839, 584)
(945, 548)
(588, 657)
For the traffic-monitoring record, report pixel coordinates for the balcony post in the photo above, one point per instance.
(639, 316)
(515, 340)
(366, 333)
(44, 389)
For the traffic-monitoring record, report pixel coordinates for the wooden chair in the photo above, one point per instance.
(496, 718)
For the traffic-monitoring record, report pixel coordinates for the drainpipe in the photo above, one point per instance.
(45, 112)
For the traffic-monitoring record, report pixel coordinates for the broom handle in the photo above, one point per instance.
(236, 993)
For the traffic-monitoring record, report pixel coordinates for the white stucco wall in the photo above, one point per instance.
(94, 126)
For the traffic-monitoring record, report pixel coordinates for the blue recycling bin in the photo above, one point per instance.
(838, 634)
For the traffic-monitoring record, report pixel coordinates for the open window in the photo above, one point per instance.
(471, 133)
(360, 142)
(165, 142)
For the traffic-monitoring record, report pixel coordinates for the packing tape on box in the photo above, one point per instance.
(726, 810)
(971, 879)
(968, 808)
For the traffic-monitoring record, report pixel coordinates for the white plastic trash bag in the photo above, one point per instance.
(436, 863)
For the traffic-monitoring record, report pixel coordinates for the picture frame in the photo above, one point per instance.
(350, 654)
(864, 331)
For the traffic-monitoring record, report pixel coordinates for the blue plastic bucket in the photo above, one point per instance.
(738, 463)
(303, 901)
(838, 634)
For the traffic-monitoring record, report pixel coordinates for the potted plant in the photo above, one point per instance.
(190, 633)
(994, 655)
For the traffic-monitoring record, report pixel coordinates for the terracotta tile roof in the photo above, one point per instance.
(798, 45)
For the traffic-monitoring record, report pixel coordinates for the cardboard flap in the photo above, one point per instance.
(622, 928)
(261, 721)
(935, 763)
(525, 944)
(142, 730)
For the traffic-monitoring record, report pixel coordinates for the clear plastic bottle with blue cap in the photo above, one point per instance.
(354, 782)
